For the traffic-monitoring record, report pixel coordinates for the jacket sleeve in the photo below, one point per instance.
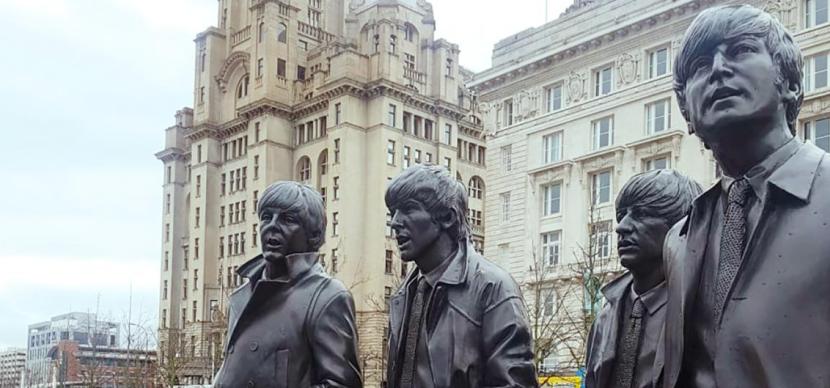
(507, 344)
(334, 344)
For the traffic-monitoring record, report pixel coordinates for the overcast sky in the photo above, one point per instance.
(86, 90)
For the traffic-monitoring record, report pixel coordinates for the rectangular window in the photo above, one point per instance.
(554, 97)
(429, 157)
(393, 44)
(601, 187)
(300, 73)
(198, 217)
(406, 161)
(164, 292)
(390, 152)
(417, 156)
(169, 174)
(314, 18)
(550, 247)
(552, 147)
(336, 151)
(601, 239)
(392, 115)
(448, 68)
(603, 132)
(815, 13)
(815, 72)
(507, 158)
(167, 204)
(508, 112)
(389, 231)
(337, 112)
(281, 67)
(551, 198)
(818, 133)
(602, 81)
(658, 116)
(259, 66)
(196, 248)
(658, 62)
(388, 262)
(198, 186)
(334, 260)
(657, 163)
(428, 129)
(505, 206)
(448, 163)
(336, 188)
(447, 138)
(409, 61)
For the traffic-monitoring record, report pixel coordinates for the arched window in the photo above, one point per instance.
(304, 169)
(281, 32)
(242, 88)
(476, 188)
(323, 162)
(409, 32)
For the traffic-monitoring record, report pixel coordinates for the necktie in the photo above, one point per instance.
(627, 359)
(733, 238)
(412, 332)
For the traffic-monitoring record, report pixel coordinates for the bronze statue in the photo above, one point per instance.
(625, 336)
(748, 270)
(458, 320)
(290, 325)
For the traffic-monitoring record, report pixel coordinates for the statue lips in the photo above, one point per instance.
(721, 93)
(403, 242)
(626, 246)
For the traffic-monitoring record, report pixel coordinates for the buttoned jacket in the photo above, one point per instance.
(477, 329)
(290, 333)
(603, 338)
(774, 329)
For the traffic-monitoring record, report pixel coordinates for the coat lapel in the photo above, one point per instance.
(238, 302)
(607, 347)
(686, 259)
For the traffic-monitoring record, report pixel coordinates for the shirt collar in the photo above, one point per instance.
(760, 174)
(437, 273)
(653, 299)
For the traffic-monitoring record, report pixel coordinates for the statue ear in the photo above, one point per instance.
(447, 219)
(790, 91)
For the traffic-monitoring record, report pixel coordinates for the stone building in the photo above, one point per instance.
(12, 363)
(574, 108)
(341, 95)
(83, 328)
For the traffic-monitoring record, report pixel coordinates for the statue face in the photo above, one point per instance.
(282, 233)
(415, 229)
(640, 239)
(736, 82)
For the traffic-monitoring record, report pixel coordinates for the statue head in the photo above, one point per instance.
(426, 204)
(292, 220)
(737, 64)
(648, 205)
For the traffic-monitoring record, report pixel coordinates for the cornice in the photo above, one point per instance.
(208, 32)
(230, 128)
(171, 154)
(202, 131)
(262, 107)
(668, 136)
(494, 77)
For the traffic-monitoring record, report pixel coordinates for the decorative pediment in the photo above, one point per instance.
(235, 59)
(559, 171)
(784, 11)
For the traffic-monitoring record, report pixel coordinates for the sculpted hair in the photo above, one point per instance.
(433, 188)
(302, 201)
(715, 25)
(665, 194)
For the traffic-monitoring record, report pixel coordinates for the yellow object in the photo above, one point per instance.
(560, 382)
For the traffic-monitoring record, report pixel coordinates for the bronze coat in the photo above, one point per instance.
(295, 342)
(775, 326)
(477, 330)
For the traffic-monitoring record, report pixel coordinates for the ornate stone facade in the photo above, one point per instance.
(339, 95)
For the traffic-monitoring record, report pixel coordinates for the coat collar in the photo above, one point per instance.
(618, 288)
(297, 264)
(454, 274)
(797, 174)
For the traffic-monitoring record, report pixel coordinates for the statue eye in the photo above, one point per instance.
(698, 64)
(744, 48)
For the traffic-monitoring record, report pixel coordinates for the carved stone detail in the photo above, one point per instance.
(784, 11)
(576, 86)
(628, 68)
(819, 105)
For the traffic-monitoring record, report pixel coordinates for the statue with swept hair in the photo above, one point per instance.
(624, 339)
(747, 270)
(290, 324)
(458, 320)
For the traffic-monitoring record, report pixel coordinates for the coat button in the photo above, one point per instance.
(254, 346)
(251, 383)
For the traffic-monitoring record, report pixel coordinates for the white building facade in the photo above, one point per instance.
(576, 107)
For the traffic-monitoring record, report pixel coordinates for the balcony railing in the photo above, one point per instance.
(240, 36)
(414, 75)
(315, 32)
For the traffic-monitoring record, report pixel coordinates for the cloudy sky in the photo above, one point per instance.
(86, 90)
